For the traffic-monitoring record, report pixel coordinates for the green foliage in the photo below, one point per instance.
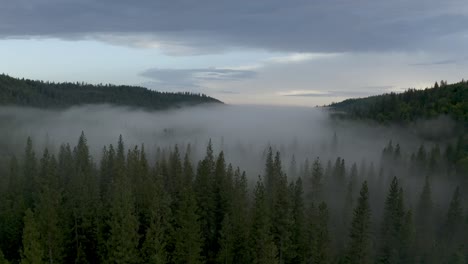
(413, 104)
(359, 236)
(135, 210)
(42, 94)
(33, 250)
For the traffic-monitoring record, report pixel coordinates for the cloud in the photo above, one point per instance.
(441, 62)
(365, 91)
(193, 78)
(191, 27)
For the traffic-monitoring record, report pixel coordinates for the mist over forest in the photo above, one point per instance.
(229, 184)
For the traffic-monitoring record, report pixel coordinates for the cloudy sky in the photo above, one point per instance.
(297, 52)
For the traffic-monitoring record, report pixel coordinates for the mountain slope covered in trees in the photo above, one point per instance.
(24, 92)
(443, 99)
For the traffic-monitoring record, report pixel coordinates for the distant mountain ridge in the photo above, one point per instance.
(33, 93)
(441, 99)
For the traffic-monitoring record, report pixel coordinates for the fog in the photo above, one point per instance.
(242, 132)
(245, 133)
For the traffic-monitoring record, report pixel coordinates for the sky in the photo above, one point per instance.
(297, 52)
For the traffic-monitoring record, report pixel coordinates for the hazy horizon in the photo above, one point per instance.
(241, 52)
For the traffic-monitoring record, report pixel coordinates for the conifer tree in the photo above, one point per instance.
(424, 216)
(187, 234)
(12, 208)
(234, 247)
(321, 241)
(392, 225)
(48, 210)
(317, 181)
(122, 244)
(206, 204)
(157, 235)
(281, 211)
(296, 250)
(30, 173)
(263, 247)
(359, 236)
(33, 250)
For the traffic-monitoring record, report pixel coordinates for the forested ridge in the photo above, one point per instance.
(411, 105)
(123, 207)
(31, 93)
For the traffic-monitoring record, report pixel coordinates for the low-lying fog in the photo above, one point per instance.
(243, 132)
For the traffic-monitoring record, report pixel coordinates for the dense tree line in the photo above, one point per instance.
(24, 92)
(122, 207)
(441, 99)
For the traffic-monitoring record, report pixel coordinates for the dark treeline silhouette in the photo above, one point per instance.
(122, 207)
(442, 99)
(24, 92)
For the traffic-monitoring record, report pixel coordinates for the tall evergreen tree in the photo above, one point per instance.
(122, 244)
(424, 218)
(321, 241)
(204, 191)
(263, 247)
(33, 250)
(359, 236)
(392, 225)
(317, 181)
(48, 210)
(188, 237)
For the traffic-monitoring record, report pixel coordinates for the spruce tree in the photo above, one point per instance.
(317, 181)
(122, 244)
(321, 240)
(263, 248)
(424, 218)
(392, 225)
(49, 211)
(296, 250)
(33, 250)
(359, 236)
(187, 234)
(206, 204)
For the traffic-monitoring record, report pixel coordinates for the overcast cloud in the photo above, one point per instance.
(297, 25)
(301, 51)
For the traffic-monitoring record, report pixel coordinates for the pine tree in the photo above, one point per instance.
(425, 229)
(317, 181)
(222, 197)
(30, 173)
(157, 236)
(206, 204)
(48, 211)
(12, 208)
(392, 225)
(296, 251)
(281, 211)
(123, 238)
(187, 234)
(359, 237)
(454, 226)
(33, 250)
(262, 244)
(82, 204)
(321, 242)
(234, 233)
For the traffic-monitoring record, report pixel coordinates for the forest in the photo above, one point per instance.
(441, 99)
(229, 184)
(25, 92)
(122, 207)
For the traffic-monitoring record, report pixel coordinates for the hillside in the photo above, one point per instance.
(24, 92)
(446, 99)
